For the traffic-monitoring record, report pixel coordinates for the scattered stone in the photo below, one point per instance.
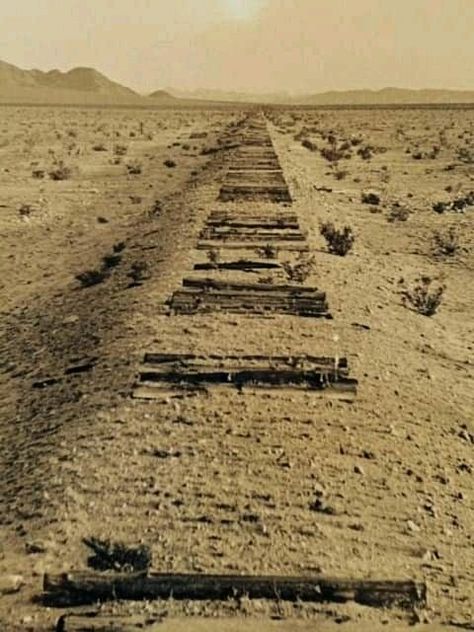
(10, 584)
(36, 546)
(321, 506)
(413, 527)
(69, 320)
(358, 469)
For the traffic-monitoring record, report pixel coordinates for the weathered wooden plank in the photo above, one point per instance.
(274, 192)
(96, 622)
(241, 234)
(85, 587)
(324, 376)
(296, 290)
(305, 360)
(260, 223)
(244, 265)
(252, 245)
(277, 216)
(186, 303)
(255, 174)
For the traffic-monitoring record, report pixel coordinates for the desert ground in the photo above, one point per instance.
(100, 214)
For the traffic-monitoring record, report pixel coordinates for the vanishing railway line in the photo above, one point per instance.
(242, 252)
(250, 227)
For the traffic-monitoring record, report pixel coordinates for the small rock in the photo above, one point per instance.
(36, 546)
(10, 584)
(321, 506)
(358, 469)
(413, 527)
(70, 319)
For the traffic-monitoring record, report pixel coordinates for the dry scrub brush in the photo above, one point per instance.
(446, 244)
(423, 297)
(300, 270)
(339, 241)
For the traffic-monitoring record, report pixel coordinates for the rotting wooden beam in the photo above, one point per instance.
(261, 244)
(97, 622)
(82, 587)
(205, 283)
(243, 265)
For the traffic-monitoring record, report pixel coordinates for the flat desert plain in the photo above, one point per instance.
(100, 213)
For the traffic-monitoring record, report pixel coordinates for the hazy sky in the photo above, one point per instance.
(248, 45)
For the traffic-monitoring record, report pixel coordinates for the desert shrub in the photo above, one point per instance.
(99, 147)
(458, 204)
(466, 155)
(213, 255)
(38, 174)
(25, 210)
(120, 150)
(365, 153)
(60, 172)
(169, 163)
(341, 174)
(112, 260)
(268, 251)
(139, 271)
(333, 154)
(339, 241)
(434, 153)
(446, 244)
(440, 207)
(308, 144)
(119, 246)
(300, 270)
(134, 168)
(398, 213)
(91, 277)
(423, 298)
(117, 556)
(370, 197)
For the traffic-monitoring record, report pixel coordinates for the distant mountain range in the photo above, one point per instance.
(386, 96)
(87, 86)
(84, 86)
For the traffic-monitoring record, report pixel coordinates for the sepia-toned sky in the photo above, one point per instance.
(248, 45)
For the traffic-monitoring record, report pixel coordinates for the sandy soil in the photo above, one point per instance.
(234, 491)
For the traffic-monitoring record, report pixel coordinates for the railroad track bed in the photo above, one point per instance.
(268, 231)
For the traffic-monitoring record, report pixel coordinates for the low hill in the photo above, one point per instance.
(162, 95)
(388, 96)
(79, 85)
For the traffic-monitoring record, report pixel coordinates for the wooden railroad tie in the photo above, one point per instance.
(242, 265)
(257, 245)
(249, 233)
(256, 192)
(324, 376)
(83, 587)
(257, 165)
(256, 222)
(206, 295)
(279, 217)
